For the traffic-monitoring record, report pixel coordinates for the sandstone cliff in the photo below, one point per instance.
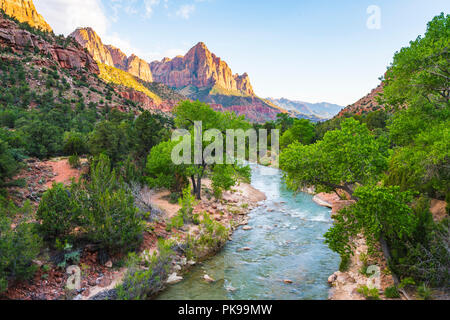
(200, 68)
(89, 39)
(70, 56)
(24, 11)
(110, 55)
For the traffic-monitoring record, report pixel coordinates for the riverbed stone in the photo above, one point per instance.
(173, 278)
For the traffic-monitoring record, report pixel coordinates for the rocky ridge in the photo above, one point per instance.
(366, 104)
(110, 55)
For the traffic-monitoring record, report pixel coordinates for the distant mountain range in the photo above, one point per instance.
(313, 111)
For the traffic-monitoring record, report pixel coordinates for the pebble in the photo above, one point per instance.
(208, 278)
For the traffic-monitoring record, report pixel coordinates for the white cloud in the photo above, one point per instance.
(64, 16)
(149, 5)
(185, 11)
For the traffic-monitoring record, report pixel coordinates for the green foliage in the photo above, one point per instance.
(103, 208)
(74, 143)
(58, 211)
(345, 157)
(222, 179)
(392, 292)
(380, 211)
(423, 165)
(110, 138)
(187, 203)
(369, 293)
(9, 165)
(19, 246)
(161, 171)
(150, 130)
(145, 278)
(301, 131)
(419, 72)
(74, 162)
(111, 218)
(424, 292)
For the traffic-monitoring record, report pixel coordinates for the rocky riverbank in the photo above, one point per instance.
(230, 211)
(345, 284)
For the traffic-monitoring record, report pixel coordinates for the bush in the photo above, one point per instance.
(369, 293)
(74, 143)
(74, 162)
(424, 292)
(58, 212)
(392, 292)
(111, 217)
(187, 203)
(140, 284)
(18, 248)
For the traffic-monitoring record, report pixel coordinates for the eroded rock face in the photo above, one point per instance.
(139, 68)
(70, 57)
(119, 58)
(89, 39)
(25, 11)
(200, 68)
(146, 102)
(110, 55)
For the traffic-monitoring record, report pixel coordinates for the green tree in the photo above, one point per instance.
(302, 131)
(162, 172)
(186, 114)
(111, 139)
(344, 159)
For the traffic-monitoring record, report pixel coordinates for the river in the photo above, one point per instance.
(286, 244)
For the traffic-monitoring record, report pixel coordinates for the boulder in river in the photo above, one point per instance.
(174, 278)
(247, 228)
(208, 278)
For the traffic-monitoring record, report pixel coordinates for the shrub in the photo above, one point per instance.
(369, 293)
(187, 203)
(139, 284)
(18, 248)
(74, 162)
(58, 212)
(110, 215)
(424, 292)
(392, 292)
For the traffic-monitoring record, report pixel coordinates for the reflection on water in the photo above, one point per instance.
(286, 243)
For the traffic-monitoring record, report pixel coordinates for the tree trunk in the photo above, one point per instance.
(194, 185)
(199, 188)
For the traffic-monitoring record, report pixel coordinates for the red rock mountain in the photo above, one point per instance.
(366, 104)
(202, 69)
(111, 56)
(24, 11)
(72, 56)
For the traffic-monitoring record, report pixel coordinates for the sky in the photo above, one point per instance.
(306, 50)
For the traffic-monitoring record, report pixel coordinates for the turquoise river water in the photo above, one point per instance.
(286, 243)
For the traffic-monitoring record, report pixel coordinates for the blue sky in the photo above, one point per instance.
(308, 50)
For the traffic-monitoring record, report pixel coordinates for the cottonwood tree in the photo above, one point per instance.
(345, 158)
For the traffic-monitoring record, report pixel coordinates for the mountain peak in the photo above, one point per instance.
(110, 55)
(202, 69)
(25, 11)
